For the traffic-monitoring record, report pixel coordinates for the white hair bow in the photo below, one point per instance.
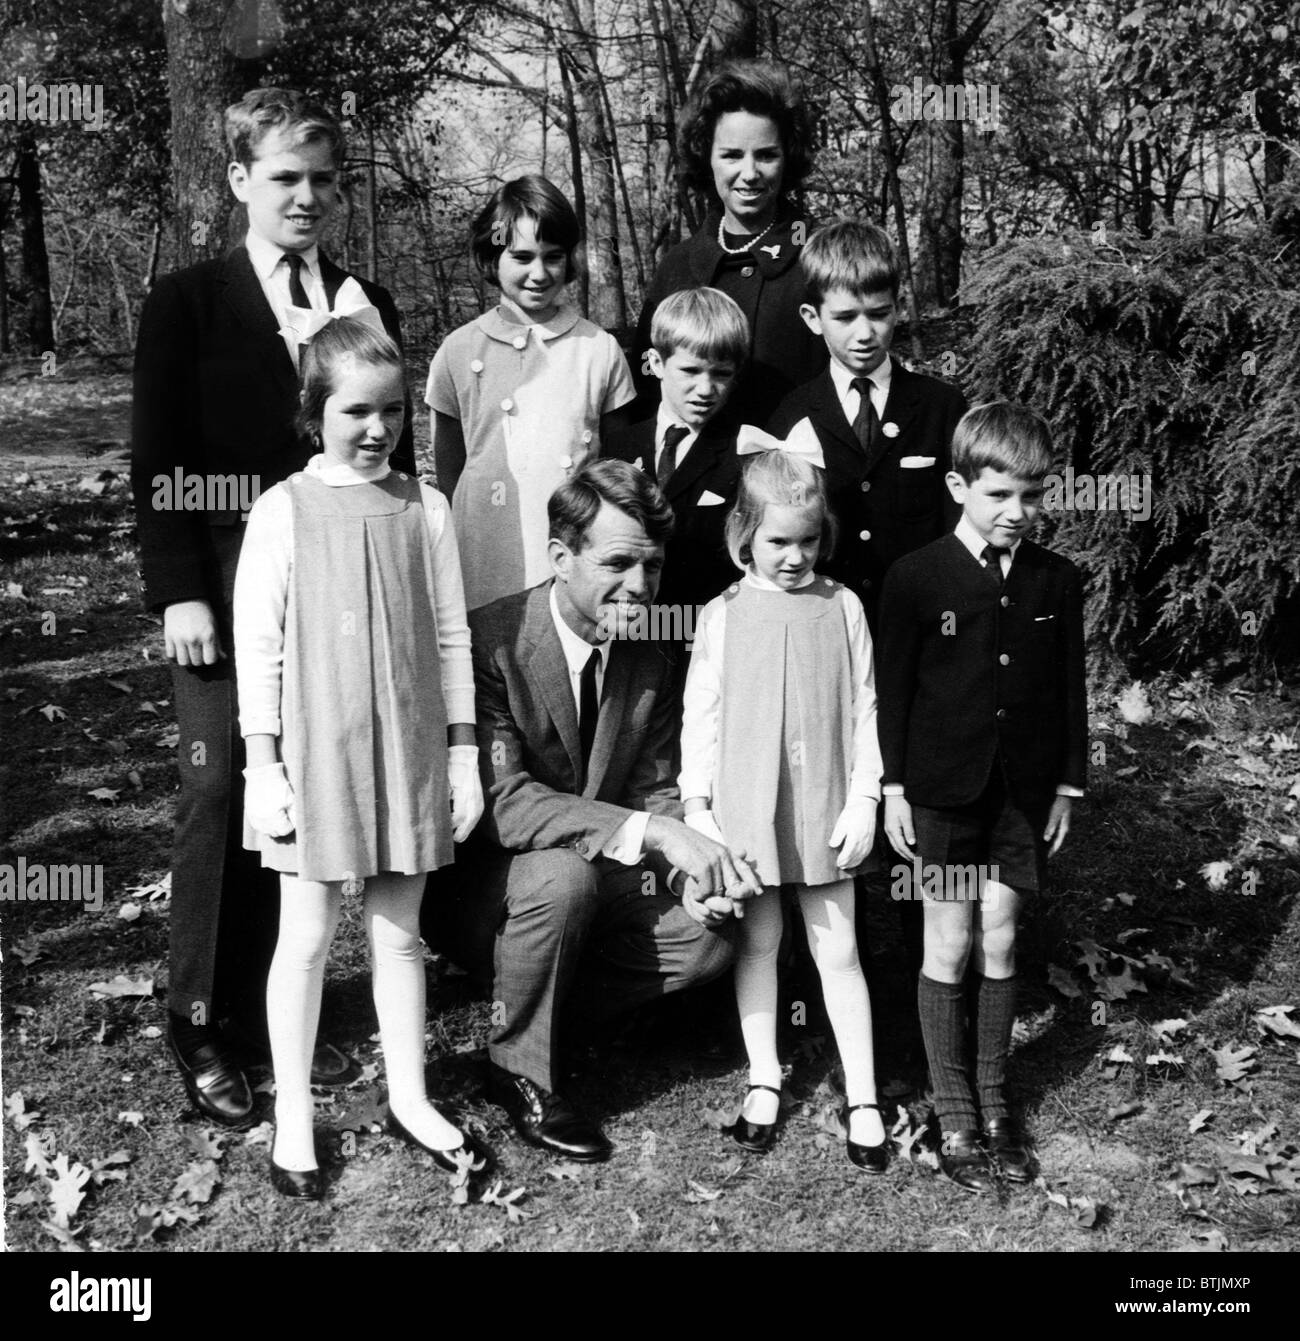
(350, 301)
(802, 442)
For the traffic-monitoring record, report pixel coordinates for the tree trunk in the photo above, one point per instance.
(36, 261)
(203, 79)
(577, 175)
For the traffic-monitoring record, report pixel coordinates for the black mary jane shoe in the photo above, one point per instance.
(445, 1159)
(870, 1158)
(1009, 1147)
(300, 1184)
(758, 1137)
(964, 1161)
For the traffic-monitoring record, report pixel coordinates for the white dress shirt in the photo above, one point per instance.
(851, 398)
(273, 274)
(627, 846)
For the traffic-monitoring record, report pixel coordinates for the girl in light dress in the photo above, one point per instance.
(356, 699)
(521, 396)
(780, 761)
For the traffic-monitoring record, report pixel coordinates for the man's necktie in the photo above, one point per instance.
(297, 294)
(866, 423)
(993, 557)
(668, 457)
(588, 708)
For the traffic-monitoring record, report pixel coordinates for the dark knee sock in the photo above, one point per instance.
(995, 1017)
(942, 1007)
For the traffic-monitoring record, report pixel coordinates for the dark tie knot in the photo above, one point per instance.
(862, 385)
(674, 434)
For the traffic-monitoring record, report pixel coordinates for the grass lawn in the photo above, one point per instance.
(1157, 1051)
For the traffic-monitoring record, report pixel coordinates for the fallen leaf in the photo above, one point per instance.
(197, 1183)
(1197, 1175)
(131, 1117)
(27, 952)
(105, 1170)
(566, 1169)
(1167, 1029)
(1232, 1066)
(207, 1144)
(1163, 1058)
(67, 1184)
(40, 1150)
(1127, 900)
(1063, 981)
(1276, 1020)
(121, 686)
(67, 1240)
(1093, 957)
(14, 591)
(104, 794)
(509, 1201)
(1209, 1241)
(1215, 874)
(121, 985)
(262, 1134)
(718, 1118)
(129, 912)
(1119, 1055)
(1121, 1111)
(16, 1111)
(1134, 706)
(1243, 1166)
(53, 713)
(699, 1193)
(1200, 1120)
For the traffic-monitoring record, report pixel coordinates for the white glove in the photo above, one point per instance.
(466, 790)
(705, 822)
(854, 831)
(267, 800)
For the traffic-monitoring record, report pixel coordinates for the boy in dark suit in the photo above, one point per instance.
(885, 432)
(983, 732)
(700, 340)
(216, 391)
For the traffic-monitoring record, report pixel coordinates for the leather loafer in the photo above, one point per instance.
(444, 1159)
(757, 1137)
(964, 1161)
(301, 1185)
(547, 1120)
(1009, 1146)
(215, 1085)
(870, 1158)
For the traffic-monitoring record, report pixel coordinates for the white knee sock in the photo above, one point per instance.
(758, 938)
(309, 913)
(392, 915)
(828, 915)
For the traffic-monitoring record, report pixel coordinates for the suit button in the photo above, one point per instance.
(507, 405)
(1004, 660)
(747, 272)
(1000, 714)
(866, 486)
(864, 535)
(1004, 602)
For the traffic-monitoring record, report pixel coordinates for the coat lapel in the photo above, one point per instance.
(549, 673)
(827, 414)
(244, 296)
(331, 279)
(706, 453)
(900, 409)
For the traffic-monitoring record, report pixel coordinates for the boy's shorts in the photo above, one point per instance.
(992, 832)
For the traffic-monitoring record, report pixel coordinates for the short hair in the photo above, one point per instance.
(778, 478)
(848, 254)
(342, 343)
(706, 322)
(1005, 437)
(534, 197)
(573, 506)
(261, 111)
(760, 88)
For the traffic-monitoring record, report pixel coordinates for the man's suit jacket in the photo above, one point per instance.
(216, 394)
(697, 566)
(885, 510)
(968, 672)
(529, 750)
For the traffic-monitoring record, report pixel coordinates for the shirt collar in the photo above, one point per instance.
(664, 420)
(494, 324)
(335, 473)
(577, 651)
(763, 584)
(843, 379)
(265, 256)
(971, 538)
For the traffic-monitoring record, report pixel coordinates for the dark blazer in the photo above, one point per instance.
(697, 566)
(529, 750)
(216, 394)
(967, 673)
(783, 351)
(884, 510)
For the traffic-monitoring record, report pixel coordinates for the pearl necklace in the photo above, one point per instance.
(741, 250)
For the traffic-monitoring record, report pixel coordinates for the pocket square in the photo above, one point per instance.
(708, 499)
(916, 462)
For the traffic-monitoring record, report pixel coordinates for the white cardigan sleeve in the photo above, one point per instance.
(454, 657)
(864, 779)
(702, 704)
(261, 595)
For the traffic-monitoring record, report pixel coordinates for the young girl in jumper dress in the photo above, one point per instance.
(356, 700)
(780, 760)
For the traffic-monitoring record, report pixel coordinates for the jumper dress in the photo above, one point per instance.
(785, 743)
(363, 722)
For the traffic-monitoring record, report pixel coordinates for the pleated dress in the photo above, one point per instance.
(785, 740)
(364, 725)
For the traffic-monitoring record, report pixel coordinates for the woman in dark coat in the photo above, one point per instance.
(746, 141)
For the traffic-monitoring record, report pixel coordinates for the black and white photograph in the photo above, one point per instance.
(645, 626)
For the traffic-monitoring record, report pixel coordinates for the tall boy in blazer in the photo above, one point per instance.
(983, 734)
(215, 396)
(886, 433)
(699, 343)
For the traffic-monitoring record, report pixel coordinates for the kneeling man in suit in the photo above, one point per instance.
(581, 876)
